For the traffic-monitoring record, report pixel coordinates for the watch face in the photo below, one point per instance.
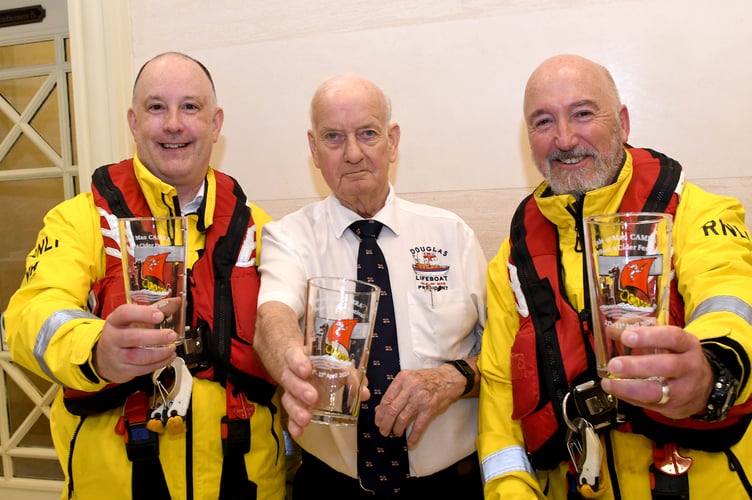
(723, 394)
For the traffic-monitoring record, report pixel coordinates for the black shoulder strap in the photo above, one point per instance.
(665, 185)
(234, 482)
(224, 256)
(541, 303)
(102, 180)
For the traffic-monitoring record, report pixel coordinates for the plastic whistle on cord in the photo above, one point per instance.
(587, 456)
(172, 396)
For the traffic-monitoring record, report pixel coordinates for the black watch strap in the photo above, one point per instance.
(723, 394)
(466, 370)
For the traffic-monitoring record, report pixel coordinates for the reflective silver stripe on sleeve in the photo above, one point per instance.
(511, 459)
(53, 324)
(723, 303)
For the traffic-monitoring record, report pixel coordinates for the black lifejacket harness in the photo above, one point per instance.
(219, 345)
(544, 400)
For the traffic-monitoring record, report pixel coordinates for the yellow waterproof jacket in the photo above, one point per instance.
(709, 263)
(67, 259)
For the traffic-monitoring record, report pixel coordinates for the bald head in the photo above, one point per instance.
(576, 124)
(352, 141)
(574, 74)
(166, 56)
(344, 87)
(175, 120)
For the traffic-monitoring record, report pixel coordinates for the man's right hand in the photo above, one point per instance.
(299, 395)
(120, 355)
(279, 344)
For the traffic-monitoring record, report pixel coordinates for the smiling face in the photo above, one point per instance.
(576, 125)
(175, 120)
(352, 142)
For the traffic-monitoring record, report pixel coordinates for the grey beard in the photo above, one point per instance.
(579, 182)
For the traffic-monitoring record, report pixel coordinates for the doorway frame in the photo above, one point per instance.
(102, 67)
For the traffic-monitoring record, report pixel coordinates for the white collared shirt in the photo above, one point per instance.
(440, 316)
(192, 206)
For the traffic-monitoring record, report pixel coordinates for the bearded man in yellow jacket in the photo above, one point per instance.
(682, 427)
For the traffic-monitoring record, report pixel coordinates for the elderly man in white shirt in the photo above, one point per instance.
(433, 399)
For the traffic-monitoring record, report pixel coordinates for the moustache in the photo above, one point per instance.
(574, 154)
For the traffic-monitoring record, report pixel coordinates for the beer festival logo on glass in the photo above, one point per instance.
(338, 344)
(629, 270)
(629, 287)
(339, 321)
(154, 251)
(155, 277)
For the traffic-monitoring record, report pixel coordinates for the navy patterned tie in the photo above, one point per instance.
(382, 460)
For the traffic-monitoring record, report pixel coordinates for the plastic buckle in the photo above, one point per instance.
(141, 443)
(236, 436)
(591, 403)
(192, 349)
(236, 425)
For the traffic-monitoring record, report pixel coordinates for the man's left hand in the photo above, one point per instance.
(415, 396)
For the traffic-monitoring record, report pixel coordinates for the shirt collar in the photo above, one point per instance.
(192, 206)
(342, 216)
(156, 192)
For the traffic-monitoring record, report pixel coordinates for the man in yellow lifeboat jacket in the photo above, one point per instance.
(695, 424)
(175, 120)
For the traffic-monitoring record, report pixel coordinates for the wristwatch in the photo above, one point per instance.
(466, 372)
(724, 392)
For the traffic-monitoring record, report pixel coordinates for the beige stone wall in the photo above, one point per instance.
(455, 71)
(489, 211)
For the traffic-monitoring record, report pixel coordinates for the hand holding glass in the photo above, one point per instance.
(629, 271)
(339, 321)
(154, 253)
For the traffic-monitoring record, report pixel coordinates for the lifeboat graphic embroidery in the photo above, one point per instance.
(428, 265)
(430, 275)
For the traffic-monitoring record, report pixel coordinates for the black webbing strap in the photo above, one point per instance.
(668, 487)
(665, 486)
(665, 185)
(236, 442)
(236, 424)
(142, 446)
(541, 302)
(225, 255)
(235, 484)
(103, 181)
